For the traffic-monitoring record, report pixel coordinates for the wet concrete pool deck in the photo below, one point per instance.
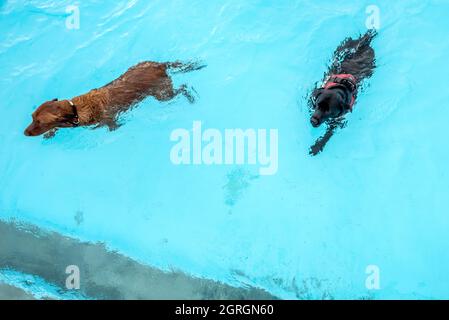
(8, 292)
(103, 274)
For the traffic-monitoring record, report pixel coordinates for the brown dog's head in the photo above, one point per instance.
(50, 115)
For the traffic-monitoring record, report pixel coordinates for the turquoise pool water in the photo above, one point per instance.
(377, 195)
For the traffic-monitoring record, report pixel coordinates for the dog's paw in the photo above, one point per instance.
(189, 93)
(316, 148)
(113, 125)
(50, 134)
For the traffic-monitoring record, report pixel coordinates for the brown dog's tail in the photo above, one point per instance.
(181, 67)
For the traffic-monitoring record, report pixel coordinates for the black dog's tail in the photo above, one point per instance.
(351, 47)
(183, 67)
(355, 56)
(365, 40)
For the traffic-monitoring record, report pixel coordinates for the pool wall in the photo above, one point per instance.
(103, 274)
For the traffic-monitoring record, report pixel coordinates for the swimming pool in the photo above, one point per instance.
(377, 195)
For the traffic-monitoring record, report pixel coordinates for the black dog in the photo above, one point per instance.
(354, 61)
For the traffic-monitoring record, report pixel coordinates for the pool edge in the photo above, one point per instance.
(104, 274)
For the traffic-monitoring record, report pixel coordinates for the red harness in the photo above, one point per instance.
(347, 80)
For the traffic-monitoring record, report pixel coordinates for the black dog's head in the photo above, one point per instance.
(329, 104)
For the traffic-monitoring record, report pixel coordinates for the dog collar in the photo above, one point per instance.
(76, 119)
(346, 80)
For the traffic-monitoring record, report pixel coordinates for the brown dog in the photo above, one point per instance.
(102, 106)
